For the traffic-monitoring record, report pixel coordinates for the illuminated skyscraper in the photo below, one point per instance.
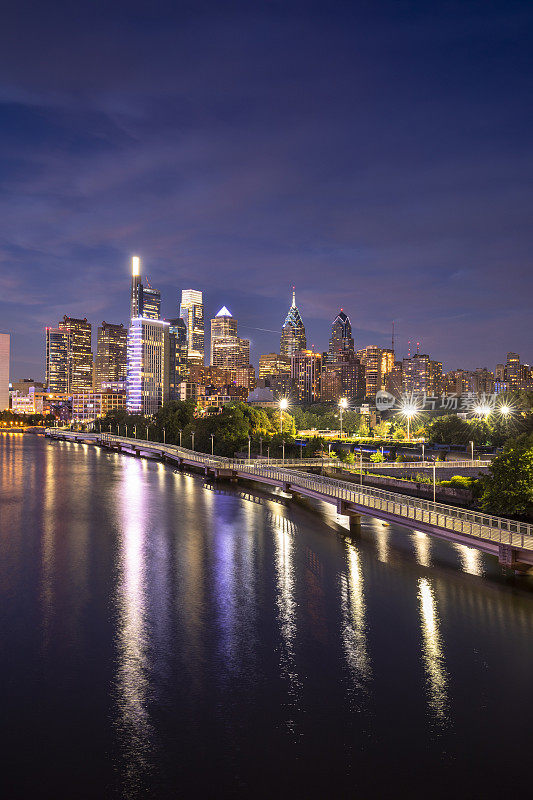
(4, 370)
(145, 300)
(378, 363)
(111, 354)
(341, 334)
(272, 364)
(293, 332)
(228, 351)
(57, 341)
(192, 312)
(305, 373)
(178, 362)
(79, 354)
(147, 384)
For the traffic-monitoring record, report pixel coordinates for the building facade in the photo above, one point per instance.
(57, 346)
(273, 364)
(79, 353)
(5, 342)
(111, 361)
(192, 312)
(147, 384)
(293, 337)
(341, 335)
(178, 360)
(306, 367)
(87, 406)
(378, 362)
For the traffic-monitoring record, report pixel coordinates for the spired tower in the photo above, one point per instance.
(341, 335)
(293, 332)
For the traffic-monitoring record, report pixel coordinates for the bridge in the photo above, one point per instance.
(509, 540)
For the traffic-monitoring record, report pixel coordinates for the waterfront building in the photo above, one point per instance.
(87, 406)
(178, 357)
(190, 390)
(79, 353)
(57, 347)
(293, 337)
(30, 403)
(147, 383)
(192, 312)
(305, 371)
(111, 354)
(273, 364)
(5, 341)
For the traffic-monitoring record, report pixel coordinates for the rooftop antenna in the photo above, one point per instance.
(148, 284)
(418, 348)
(408, 348)
(294, 296)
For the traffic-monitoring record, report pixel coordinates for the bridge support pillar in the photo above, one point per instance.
(507, 556)
(355, 518)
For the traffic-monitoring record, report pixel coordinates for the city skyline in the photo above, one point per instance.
(260, 152)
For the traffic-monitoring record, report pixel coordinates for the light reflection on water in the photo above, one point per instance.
(132, 674)
(354, 619)
(432, 653)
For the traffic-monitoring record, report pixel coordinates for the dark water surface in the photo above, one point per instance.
(164, 638)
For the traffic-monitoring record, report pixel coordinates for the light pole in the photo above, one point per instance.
(268, 453)
(301, 450)
(126, 431)
(180, 432)
(147, 427)
(434, 483)
(212, 444)
(283, 449)
(135, 431)
(164, 435)
(260, 445)
(361, 465)
(472, 450)
(423, 452)
(343, 404)
(283, 405)
(249, 445)
(192, 437)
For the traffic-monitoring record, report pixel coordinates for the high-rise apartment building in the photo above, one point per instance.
(151, 302)
(306, 368)
(111, 354)
(178, 361)
(512, 371)
(57, 360)
(147, 383)
(5, 341)
(192, 312)
(378, 363)
(293, 332)
(80, 353)
(422, 374)
(223, 325)
(342, 377)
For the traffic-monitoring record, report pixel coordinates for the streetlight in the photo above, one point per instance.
(126, 431)
(268, 453)
(408, 410)
(135, 431)
(192, 437)
(301, 450)
(260, 445)
(423, 451)
(283, 406)
(283, 446)
(505, 410)
(212, 444)
(343, 404)
(249, 444)
(361, 465)
(434, 483)
(180, 432)
(164, 435)
(472, 450)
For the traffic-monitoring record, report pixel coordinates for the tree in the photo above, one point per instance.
(508, 489)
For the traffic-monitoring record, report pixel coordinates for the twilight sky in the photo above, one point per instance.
(376, 154)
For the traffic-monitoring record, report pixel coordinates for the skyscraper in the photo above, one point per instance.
(341, 334)
(80, 354)
(305, 373)
(57, 345)
(111, 354)
(147, 383)
(136, 288)
(378, 363)
(192, 312)
(178, 362)
(145, 300)
(512, 371)
(228, 351)
(5, 340)
(293, 332)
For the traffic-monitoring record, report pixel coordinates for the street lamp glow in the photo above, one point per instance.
(482, 411)
(343, 403)
(283, 404)
(505, 410)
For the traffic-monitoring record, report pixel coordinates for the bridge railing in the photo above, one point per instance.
(471, 523)
(412, 509)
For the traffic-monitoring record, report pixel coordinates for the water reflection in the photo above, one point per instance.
(132, 628)
(422, 544)
(353, 619)
(471, 559)
(286, 605)
(437, 679)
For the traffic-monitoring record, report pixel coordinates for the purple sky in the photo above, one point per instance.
(377, 155)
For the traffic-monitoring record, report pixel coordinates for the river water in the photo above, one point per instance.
(163, 637)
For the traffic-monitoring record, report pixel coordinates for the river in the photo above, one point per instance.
(164, 637)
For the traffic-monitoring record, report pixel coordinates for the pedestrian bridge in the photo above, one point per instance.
(511, 541)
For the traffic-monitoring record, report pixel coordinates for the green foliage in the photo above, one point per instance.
(460, 481)
(377, 457)
(508, 489)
